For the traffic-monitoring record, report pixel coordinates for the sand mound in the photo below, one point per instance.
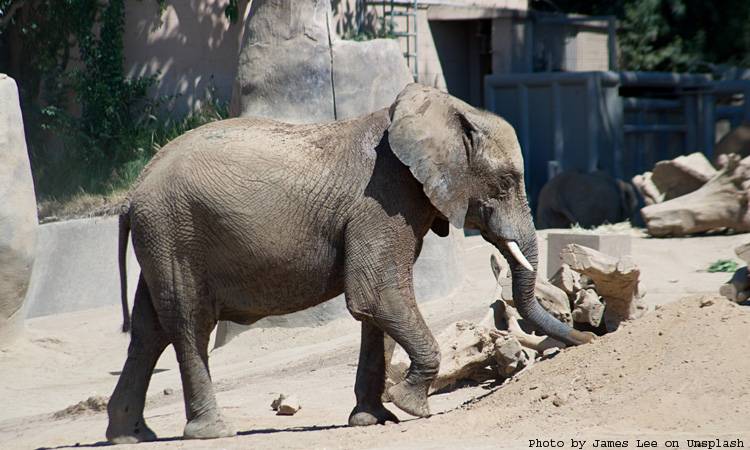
(681, 368)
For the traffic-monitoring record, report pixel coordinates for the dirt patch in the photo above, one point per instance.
(80, 206)
(95, 404)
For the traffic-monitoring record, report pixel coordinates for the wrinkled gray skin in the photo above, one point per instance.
(587, 199)
(227, 215)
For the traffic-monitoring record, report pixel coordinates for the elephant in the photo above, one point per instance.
(586, 199)
(225, 216)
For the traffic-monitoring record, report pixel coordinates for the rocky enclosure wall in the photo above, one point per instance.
(18, 219)
(293, 67)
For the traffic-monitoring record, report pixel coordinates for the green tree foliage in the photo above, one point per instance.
(104, 125)
(672, 35)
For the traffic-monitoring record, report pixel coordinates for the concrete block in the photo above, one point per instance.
(613, 244)
(76, 267)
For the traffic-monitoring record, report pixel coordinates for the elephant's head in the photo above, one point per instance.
(471, 168)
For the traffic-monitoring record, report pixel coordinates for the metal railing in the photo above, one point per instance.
(407, 10)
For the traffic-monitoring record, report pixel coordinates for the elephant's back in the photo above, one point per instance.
(265, 147)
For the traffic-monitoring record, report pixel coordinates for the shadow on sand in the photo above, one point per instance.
(240, 433)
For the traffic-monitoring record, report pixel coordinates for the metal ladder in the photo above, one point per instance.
(408, 10)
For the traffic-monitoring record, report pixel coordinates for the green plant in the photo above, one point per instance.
(723, 265)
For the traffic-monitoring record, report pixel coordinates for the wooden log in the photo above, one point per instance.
(721, 203)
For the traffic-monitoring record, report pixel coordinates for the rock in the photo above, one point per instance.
(550, 352)
(367, 76)
(293, 67)
(719, 204)
(284, 69)
(588, 308)
(510, 356)
(706, 302)
(616, 280)
(568, 280)
(286, 405)
(18, 216)
(168, 391)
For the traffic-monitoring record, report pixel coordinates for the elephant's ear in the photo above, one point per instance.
(434, 139)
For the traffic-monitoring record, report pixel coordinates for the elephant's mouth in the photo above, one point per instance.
(517, 254)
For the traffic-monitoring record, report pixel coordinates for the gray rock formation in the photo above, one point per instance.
(284, 70)
(18, 219)
(294, 68)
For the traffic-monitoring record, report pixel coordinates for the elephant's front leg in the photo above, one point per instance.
(370, 379)
(379, 289)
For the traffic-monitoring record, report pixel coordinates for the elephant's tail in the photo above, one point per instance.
(122, 250)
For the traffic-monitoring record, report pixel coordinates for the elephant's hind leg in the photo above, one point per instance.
(203, 415)
(147, 342)
(370, 380)
(188, 319)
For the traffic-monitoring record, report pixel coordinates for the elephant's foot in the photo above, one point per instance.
(124, 433)
(207, 426)
(363, 416)
(411, 398)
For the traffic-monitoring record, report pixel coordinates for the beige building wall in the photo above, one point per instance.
(191, 48)
(592, 51)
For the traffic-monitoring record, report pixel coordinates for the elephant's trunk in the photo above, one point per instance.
(524, 281)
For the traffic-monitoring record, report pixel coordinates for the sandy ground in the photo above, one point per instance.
(679, 373)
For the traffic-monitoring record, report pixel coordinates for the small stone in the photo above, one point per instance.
(706, 302)
(550, 352)
(168, 391)
(559, 400)
(545, 396)
(286, 405)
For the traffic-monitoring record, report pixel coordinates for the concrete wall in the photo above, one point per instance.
(76, 267)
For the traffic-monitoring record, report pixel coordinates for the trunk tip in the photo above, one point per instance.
(581, 337)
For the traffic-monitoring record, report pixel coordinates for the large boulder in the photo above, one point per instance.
(18, 219)
(295, 69)
(284, 70)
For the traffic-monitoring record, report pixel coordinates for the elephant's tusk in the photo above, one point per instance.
(518, 255)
